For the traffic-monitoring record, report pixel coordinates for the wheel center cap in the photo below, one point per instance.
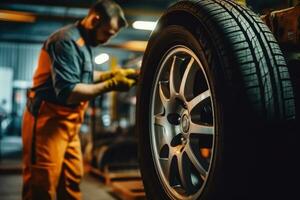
(185, 123)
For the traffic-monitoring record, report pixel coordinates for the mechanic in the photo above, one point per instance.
(63, 83)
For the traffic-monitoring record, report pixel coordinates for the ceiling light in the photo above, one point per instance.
(144, 25)
(102, 58)
(139, 46)
(16, 16)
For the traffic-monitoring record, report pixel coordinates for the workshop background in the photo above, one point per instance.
(109, 144)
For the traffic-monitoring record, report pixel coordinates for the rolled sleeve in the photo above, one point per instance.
(66, 70)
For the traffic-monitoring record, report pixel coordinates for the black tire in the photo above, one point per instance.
(250, 92)
(294, 69)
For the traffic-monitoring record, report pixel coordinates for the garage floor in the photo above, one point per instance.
(11, 178)
(11, 184)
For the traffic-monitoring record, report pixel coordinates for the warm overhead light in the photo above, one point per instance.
(102, 58)
(16, 16)
(144, 25)
(139, 46)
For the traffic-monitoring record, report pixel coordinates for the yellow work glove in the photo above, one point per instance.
(130, 73)
(119, 83)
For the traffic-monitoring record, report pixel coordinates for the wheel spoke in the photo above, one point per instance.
(171, 78)
(193, 159)
(185, 172)
(166, 167)
(162, 95)
(164, 136)
(198, 99)
(201, 129)
(160, 120)
(184, 81)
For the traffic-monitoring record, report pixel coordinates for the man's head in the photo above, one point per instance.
(104, 20)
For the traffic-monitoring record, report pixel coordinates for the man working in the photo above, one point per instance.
(62, 84)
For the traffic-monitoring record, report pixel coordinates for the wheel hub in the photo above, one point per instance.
(185, 123)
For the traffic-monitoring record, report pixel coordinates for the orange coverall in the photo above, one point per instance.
(52, 159)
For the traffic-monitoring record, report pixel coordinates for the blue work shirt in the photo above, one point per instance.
(65, 60)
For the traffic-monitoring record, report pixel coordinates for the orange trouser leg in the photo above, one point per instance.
(71, 172)
(54, 139)
(27, 127)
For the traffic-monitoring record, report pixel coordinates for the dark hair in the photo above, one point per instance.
(108, 9)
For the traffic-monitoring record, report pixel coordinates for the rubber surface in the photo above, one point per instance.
(251, 89)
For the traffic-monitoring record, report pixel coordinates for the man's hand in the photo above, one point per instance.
(132, 74)
(120, 81)
(129, 73)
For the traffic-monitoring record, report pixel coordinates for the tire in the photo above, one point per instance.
(213, 83)
(293, 65)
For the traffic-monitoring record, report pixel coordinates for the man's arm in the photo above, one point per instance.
(85, 92)
(99, 76)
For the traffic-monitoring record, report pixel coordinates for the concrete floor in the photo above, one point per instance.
(11, 178)
(11, 184)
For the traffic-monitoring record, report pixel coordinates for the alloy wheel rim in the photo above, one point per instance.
(182, 124)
